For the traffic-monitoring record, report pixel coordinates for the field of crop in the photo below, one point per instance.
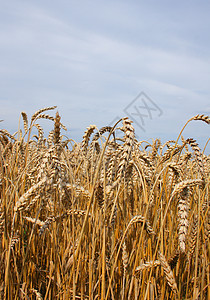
(107, 218)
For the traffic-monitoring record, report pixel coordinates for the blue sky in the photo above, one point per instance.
(93, 58)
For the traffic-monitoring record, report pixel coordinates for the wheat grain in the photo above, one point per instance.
(22, 202)
(127, 147)
(146, 265)
(40, 111)
(183, 208)
(204, 118)
(179, 187)
(199, 157)
(25, 121)
(86, 136)
(168, 273)
(192, 237)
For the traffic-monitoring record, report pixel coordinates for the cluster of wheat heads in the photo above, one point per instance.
(107, 218)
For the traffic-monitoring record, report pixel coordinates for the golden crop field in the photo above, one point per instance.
(107, 218)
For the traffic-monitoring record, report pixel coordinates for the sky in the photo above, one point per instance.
(99, 61)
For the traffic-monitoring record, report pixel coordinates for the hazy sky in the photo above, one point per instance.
(93, 58)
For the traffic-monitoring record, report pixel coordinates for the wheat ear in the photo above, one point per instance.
(168, 273)
(183, 207)
(25, 121)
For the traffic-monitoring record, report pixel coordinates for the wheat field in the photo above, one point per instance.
(107, 218)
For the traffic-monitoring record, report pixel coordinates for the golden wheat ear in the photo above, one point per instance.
(40, 111)
(129, 136)
(168, 273)
(25, 121)
(57, 129)
(203, 118)
(86, 137)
